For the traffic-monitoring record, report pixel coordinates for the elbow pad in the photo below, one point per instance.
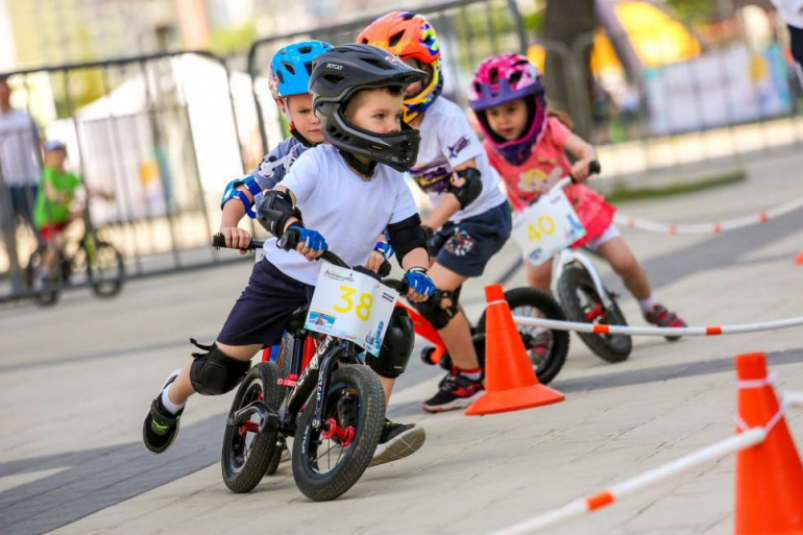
(232, 192)
(274, 211)
(407, 235)
(471, 190)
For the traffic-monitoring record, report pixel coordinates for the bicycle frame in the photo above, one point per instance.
(567, 257)
(425, 329)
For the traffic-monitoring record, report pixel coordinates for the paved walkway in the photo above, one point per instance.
(75, 382)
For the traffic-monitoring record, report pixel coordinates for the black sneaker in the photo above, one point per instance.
(456, 392)
(160, 428)
(397, 442)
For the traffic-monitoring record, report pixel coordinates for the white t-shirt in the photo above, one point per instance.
(791, 11)
(447, 140)
(348, 211)
(19, 149)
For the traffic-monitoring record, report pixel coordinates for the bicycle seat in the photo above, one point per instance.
(297, 319)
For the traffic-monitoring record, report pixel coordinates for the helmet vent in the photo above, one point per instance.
(289, 67)
(305, 49)
(333, 78)
(407, 16)
(280, 76)
(308, 67)
(515, 78)
(395, 38)
(375, 62)
(494, 75)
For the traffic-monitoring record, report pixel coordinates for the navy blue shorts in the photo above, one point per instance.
(467, 246)
(261, 313)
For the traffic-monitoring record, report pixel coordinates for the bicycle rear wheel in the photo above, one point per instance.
(546, 348)
(247, 452)
(46, 293)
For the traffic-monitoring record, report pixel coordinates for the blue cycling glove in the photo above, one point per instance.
(314, 240)
(419, 281)
(384, 249)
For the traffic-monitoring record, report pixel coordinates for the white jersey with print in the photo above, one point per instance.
(348, 211)
(447, 140)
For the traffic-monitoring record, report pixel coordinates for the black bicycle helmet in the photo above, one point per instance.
(343, 71)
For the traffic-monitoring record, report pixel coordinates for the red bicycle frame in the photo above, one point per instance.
(425, 329)
(421, 326)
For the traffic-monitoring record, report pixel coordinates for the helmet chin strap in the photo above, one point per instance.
(366, 170)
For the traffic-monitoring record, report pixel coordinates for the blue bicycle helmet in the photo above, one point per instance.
(291, 66)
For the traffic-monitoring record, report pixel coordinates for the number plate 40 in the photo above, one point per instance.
(546, 227)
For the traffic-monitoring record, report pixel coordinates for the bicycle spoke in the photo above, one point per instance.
(316, 459)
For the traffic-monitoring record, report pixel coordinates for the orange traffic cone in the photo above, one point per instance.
(769, 476)
(510, 381)
(799, 259)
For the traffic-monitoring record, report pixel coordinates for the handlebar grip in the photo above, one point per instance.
(384, 269)
(218, 241)
(289, 240)
(594, 168)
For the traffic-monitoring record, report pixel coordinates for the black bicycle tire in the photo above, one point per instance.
(248, 476)
(325, 487)
(116, 286)
(601, 345)
(519, 297)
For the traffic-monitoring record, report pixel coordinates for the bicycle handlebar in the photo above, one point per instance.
(289, 241)
(594, 168)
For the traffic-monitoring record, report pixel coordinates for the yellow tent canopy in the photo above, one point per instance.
(657, 38)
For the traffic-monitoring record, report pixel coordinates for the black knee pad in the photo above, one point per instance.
(397, 346)
(433, 312)
(214, 373)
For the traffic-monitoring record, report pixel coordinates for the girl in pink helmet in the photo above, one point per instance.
(527, 143)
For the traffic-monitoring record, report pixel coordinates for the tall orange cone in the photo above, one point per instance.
(769, 476)
(799, 259)
(510, 381)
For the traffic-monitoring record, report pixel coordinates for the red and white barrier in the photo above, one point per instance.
(769, 479)
(658, 331)
(712, 227)
(632, 486)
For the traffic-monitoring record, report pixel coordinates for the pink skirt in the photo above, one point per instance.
(594, 212)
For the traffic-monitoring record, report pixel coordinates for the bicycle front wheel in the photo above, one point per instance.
(327, 462)
(104, 268)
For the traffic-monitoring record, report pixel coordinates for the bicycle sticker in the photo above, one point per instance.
(547, 226)
(351, 305)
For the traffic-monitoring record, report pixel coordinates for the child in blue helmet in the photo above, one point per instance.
(288, 78)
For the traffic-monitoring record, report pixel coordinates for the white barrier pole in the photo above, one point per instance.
(793, 399)
(626, 488)
(711, 227)
(658, 331)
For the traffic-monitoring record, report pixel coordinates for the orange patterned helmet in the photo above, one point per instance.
(409, 36)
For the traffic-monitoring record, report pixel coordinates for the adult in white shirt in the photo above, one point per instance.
(20, 169)
(791, 11)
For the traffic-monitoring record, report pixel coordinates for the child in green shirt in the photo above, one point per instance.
(53, 210)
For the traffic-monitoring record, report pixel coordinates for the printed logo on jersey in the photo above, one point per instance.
(461, 144)
(460, 244)
(433, 178)
(529, 179)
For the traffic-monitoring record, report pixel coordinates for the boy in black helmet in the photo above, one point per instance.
(349, 191)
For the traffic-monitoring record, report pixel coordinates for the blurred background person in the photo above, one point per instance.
(20, 170)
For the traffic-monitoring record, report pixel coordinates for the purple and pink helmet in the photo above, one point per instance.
(503, 78)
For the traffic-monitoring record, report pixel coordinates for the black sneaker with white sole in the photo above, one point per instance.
(455, 392)
(161, 426)
(397, 442)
